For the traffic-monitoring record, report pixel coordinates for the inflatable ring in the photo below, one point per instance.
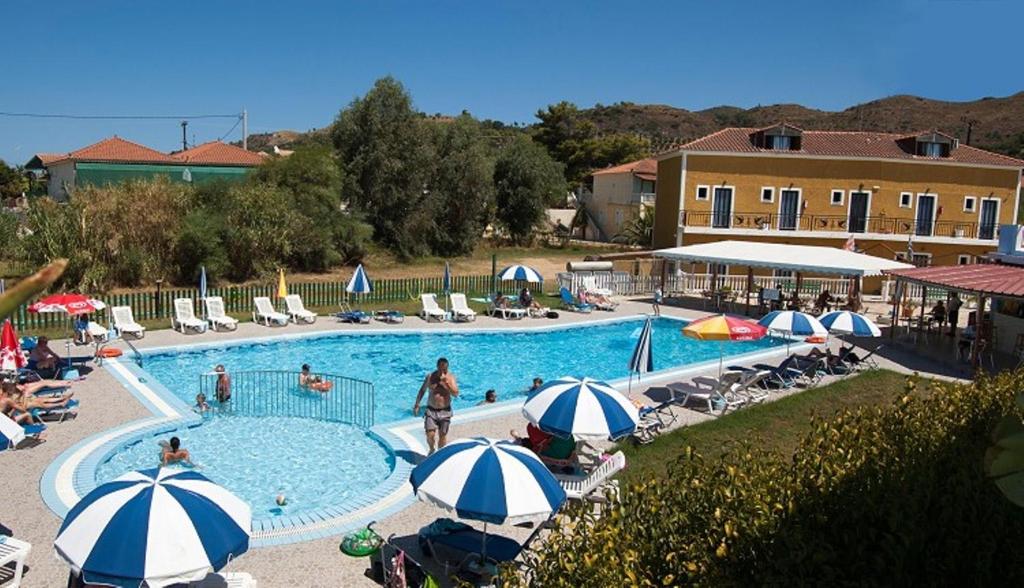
(109, 352)
(322, 386)
(816, 339)
(361, 543)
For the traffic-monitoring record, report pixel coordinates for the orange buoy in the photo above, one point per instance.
(815, 339)
(109, 352)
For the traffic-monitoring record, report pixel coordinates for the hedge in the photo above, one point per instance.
(884, 495)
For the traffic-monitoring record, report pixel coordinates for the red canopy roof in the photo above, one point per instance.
(986, 278)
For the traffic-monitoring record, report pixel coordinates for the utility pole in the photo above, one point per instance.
(184, 135)
(245, 129)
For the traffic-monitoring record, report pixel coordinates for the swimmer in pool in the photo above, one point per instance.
(311, 381)
(174, 453)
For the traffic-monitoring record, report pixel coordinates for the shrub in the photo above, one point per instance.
(891, 495)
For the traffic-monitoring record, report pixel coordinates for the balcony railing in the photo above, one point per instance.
(771, 221)
(646, 198)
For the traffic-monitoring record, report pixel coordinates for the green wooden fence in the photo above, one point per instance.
(238, 299)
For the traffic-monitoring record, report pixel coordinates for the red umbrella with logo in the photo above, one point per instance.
(11, 357)
(69, 304)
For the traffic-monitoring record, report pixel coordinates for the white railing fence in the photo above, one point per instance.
(626, 284)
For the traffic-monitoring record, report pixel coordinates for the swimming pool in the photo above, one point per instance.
(314, 464)
(396, 362)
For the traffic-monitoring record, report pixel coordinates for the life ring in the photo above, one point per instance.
(109, 352)
(361, 543)
(322, 386)
(815, 339)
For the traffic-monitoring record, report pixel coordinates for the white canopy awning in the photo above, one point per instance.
(798, 258)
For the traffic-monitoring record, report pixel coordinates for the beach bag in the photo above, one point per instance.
(552, 314)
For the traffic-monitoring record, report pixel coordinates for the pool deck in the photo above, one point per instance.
(108, 404)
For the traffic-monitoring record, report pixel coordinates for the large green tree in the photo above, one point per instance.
(527, 181)
(13, 182)
(576, 142)
(462, 188)
(386, 153)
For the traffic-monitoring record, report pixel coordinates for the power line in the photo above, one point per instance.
(233, 127)
(116, 117)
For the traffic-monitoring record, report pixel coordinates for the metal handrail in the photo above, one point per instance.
(879, 224)
(278, 393)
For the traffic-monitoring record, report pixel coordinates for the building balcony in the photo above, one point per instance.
(827, 225)
(645, 198)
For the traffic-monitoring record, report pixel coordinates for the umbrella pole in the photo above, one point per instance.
(483, 548)
(721, 357)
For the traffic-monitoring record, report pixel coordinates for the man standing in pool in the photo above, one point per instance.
(438, 416)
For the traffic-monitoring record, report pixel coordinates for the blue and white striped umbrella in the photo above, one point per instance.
(581, 409)
(844, 322)
(160, 526)
(520, 272)
(642, 360)
(446, 281)
(360, 283)
(793, 322)
(488, 480)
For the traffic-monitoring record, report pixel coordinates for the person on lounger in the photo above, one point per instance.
(82, 334)
(43, 356)
(173, 452)
(10, 408)
(526, 299)
(500, 300)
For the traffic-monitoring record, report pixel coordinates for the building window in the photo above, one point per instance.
(779, 143)
(906, 199)
(767, 194)
(969, 203)
(964, 259)
(932, 149)
(702, 192)
(837, 197)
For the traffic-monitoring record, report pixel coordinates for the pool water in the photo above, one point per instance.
(313, 463)
(397, 362)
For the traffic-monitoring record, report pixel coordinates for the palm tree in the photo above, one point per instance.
(639, 230)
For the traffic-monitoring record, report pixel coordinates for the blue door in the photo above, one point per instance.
(721, 215)
(789, 210)
(987, 226)
(925, 215)
(858, 220)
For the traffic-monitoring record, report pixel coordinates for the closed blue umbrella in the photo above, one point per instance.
(581, 409)
(446, 284)
(521, 273)
(642, 360)
(488, 480)
(360, 283)
(844, 322)
(158, 526)
(202, 287)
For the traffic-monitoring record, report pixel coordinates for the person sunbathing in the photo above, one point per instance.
(43, 356)
(526, 300)
(33, 388)
(173, 452)
(12, 410)
(30, 401)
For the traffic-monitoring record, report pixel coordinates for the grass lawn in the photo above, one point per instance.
(775, 425)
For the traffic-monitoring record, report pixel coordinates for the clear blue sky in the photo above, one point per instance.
(294, 64)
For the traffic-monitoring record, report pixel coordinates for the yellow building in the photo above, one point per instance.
(782, 184)
(620, 195)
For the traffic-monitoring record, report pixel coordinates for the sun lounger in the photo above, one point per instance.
(297, 310)
(460, 308)
(430, 308)
(93, 333)
(13, 434)
(586, 487)
(467, 543)
(225, 580)
(570, 303)
(57, 413)
(185, 317)
(862, 363)
(14, 551)
(711, 391)
(654, 420)
(124, 322)
(750, 385)
(216, 316)
(590, 286)
(505, 312)
(389, 316)
(266, 314)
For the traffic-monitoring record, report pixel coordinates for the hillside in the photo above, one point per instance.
(998, 123)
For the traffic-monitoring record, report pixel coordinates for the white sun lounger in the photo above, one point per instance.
(582, 487)
(590, 285)
(12, 434)
(506, 312)
(14, 550)
(266, 314)
(216, 316)
(708, 390)
(430, 308)
(460, 308)
(124, 322)
(185, 317)
(297, 310)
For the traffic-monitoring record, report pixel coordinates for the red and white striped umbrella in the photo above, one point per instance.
(11, 357)
(67, 303)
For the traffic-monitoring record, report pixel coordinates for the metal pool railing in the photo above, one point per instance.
(278, 393)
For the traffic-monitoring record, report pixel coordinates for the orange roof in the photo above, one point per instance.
(647, 167)
(217, 153)
(844, 144)
(116, 150)
(48, 158)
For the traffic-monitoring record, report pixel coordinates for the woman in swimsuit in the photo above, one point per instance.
(173, 453)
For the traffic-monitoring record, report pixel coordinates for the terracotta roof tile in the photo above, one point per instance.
(844, 144)
(117, 150)
(217, 153)
(641, 167)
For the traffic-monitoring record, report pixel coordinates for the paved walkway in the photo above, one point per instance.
(106, 404)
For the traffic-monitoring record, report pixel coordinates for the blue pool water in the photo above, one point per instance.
(397, 362)
(313, 463)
